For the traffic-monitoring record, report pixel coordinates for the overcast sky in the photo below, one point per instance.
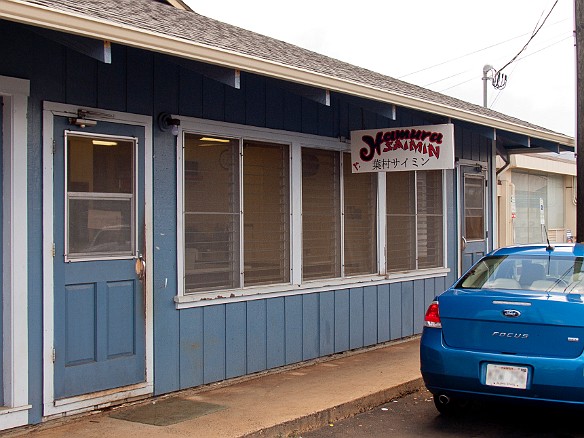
(398, 38)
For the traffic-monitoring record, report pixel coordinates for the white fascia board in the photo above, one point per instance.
(543, 164)
(36, 15)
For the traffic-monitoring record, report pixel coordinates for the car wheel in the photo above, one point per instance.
(447, 405)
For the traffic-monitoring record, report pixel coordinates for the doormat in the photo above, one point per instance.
(166, 412)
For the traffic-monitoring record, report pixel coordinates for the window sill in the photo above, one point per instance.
(282, 290)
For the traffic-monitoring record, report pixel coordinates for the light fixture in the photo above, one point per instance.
(167, 123)
(82, 123)
(104, 143)
(81, 120)
(218, 140)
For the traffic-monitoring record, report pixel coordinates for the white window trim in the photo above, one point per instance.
(296, 286)
(52, 407)
(15, 93)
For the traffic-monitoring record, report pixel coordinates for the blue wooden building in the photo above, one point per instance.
(179, 205)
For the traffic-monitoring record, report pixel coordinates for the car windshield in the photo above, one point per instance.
(521, 271)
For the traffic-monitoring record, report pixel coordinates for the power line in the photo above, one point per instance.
(473, 52)
(520, 59)
(570, 35)
(536, 30)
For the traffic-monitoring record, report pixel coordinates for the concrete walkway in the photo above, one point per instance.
(276, 404)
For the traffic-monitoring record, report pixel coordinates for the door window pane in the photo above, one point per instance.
(100, 196)
(401, 221)
(212, 213)
(474, 207)
(321, 225)
(360, 196)
(266, 207)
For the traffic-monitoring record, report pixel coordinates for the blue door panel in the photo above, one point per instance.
(80, 323)
(121, 318)
(98, 304)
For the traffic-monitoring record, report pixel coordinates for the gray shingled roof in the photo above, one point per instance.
(163, 19)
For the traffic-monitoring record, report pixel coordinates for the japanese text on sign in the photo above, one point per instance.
(397, 149)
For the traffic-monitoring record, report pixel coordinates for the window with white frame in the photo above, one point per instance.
(360, 220)
(225, 246)
(415, 220)
(321, 214)
(237, 222)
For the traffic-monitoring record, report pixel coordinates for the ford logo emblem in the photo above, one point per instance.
(511, 313)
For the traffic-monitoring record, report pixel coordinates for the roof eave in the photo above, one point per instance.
(36, 15)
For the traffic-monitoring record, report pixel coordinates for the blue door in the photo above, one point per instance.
(99, 238)
(473, 209)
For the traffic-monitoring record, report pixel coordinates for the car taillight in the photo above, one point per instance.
(432, 318)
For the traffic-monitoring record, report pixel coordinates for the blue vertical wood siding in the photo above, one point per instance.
(229, 340)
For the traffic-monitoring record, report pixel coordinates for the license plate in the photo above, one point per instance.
(507, 376)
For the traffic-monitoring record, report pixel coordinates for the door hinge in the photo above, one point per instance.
(54, 355)
(54, 147)
(53, 250)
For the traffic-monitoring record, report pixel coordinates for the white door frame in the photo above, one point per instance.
(459, 207)
(103, 398)
(15, 93)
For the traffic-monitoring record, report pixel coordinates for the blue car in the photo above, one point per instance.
(511, 328)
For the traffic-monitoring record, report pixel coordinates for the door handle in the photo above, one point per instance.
(463, 243)
(141, 267)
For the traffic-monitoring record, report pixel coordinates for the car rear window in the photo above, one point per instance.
(527, 272)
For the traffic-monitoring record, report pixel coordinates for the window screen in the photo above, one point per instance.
(360, 226)
(321, 225)
(430, 234)
(212, 213)
(401, 221)
(415, 220)
(266, 207)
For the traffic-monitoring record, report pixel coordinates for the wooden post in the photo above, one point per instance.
(579, 29)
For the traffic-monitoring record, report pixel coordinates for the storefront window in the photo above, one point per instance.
(360, 225)
(321, 224)
(243, 203)
(266, 213)
(213, 236)
(415, 220)
(211, 218)
(538, 198)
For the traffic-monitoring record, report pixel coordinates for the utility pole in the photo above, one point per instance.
(579, 30)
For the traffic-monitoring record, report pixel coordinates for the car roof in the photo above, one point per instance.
(576, 250)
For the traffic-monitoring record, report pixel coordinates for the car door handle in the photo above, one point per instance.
(463, 243)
